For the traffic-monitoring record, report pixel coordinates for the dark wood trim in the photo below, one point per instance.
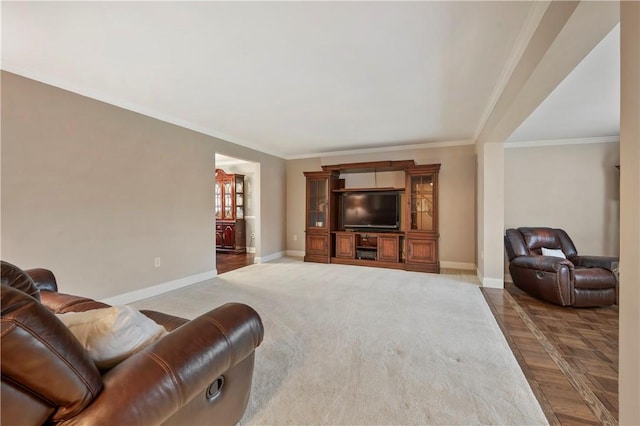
(366, 262)
(386, 189)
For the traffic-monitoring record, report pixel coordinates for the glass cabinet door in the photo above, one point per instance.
(318, 200)
(218, 200)
(239, 208)
(421, 203)
(228, 202)
(239, 197)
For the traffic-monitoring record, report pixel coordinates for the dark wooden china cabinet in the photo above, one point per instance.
(412, 244)
(229, 212)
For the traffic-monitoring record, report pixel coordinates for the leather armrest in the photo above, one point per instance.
(156, 382)
(43, 358)
(43, 279)
(60, 303)
(542, 263)
(605, 262)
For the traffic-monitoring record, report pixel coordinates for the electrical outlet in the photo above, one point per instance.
(156, 262)
(295, 237)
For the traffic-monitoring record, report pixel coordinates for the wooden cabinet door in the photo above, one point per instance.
(422, 254)
(228, 236)
(317, 247)
(317, 202)
(421, 250)
(321, 215)
(345, 245)
(388, 248)
(219, 236)
(240, 239)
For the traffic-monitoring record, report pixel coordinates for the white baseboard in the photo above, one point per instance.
(493, 283)
(458, 265)
(295, 253)
(155, 290)
(269, 258)
(490, 282)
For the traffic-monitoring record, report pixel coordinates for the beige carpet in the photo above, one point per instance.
(348, 345)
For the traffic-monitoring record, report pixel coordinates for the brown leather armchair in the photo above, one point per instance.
(579, 281)
(200, 373)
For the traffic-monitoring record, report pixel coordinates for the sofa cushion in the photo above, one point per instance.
(112, 334)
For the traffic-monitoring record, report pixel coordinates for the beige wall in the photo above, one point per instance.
(573, 187)
(95, 192)
(629, 384)
(457, 194)
(273, 205)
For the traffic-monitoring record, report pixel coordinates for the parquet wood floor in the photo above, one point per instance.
(569, 356)
(226, 262)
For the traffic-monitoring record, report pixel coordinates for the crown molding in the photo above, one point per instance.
(389, 148)
(554, 142)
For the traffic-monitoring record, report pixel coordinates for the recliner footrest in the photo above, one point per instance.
(593, 278)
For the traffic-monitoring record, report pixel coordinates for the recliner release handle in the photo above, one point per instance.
(215, 388)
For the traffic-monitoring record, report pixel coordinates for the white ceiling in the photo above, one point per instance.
(294, 78)
(586, 104)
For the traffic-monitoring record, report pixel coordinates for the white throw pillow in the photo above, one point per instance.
(553, 252)
(113, 334)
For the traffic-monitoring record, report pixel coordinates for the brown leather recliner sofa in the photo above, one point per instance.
(199, 373)
(578, 281)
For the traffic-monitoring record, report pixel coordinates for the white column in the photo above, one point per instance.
(491, 214)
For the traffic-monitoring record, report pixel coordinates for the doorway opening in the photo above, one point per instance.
(236, 212)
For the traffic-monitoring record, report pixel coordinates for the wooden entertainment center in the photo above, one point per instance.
(411, 243)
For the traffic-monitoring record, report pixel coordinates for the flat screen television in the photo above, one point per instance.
(374, 210)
